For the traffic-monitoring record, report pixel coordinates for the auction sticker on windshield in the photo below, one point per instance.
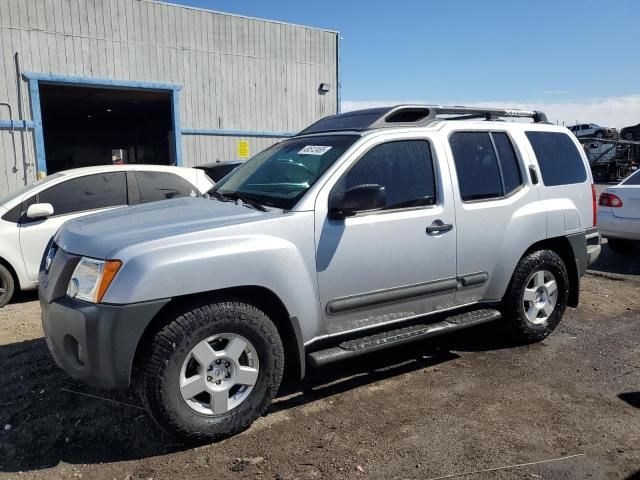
(314, 150)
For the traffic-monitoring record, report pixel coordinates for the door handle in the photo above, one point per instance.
(438, 227)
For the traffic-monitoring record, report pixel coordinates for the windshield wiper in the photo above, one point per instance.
(231, 197)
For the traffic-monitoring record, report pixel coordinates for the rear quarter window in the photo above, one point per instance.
(633, 179)
(559, 159)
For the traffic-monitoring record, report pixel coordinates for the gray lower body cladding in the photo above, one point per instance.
(96, 343)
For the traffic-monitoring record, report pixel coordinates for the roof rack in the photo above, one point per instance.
(413, 116)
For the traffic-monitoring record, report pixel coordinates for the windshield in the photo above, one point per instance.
(23, 190)
(282, 174)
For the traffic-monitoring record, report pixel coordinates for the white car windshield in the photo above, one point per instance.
(21, 191)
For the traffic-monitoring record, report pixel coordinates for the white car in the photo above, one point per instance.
(33, 214)
(619, 214)
(589, 130)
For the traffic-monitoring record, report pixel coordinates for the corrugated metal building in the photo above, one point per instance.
(97, 81)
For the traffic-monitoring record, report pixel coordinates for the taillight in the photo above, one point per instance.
(610, 200)
(594, 207)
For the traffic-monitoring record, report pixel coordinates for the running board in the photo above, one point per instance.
(400, 336)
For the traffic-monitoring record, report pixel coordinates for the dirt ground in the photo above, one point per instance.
(462, 403)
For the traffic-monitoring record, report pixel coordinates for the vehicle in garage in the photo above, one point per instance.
(216, 171)
(367, 230)
(619, 214)
(30, 216)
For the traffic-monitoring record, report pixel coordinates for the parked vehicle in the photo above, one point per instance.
(592, 130)
(216, 171)
(611, 160)
(619, 214)
(631, 133)
(367, 230)
(30, 216)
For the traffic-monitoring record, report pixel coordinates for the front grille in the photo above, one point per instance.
(54, 280)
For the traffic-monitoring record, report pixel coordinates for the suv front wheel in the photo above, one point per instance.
(537, 296)
(213, 370)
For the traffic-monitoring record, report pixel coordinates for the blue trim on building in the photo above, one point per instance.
(16, 124)
(38, 133)
(34, 80)
(339, 74)
(177, 131)
(219, 132)
(100, 82)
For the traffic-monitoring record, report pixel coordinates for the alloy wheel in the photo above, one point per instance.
(540, 297)
(219, 374)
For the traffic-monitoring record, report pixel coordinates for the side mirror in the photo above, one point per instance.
(39, 210)
(361, 198)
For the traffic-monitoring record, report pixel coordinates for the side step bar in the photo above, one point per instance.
(400, 336)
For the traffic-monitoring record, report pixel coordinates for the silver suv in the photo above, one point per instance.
(367, 230)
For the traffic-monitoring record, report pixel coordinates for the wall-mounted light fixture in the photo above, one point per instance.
(324, 88)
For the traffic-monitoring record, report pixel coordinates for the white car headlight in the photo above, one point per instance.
(91, 278)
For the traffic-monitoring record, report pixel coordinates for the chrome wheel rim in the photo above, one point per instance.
(540, 297)
(219, 373)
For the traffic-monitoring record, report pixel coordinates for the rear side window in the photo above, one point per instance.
(404, 168)
(559, 159)
(162, 186)
(86, 193)
(633, 179)
(486, 164)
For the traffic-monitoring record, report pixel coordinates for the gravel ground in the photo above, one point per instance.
(467, 402)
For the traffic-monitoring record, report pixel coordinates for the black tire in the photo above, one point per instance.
(629, 136)
(600, 174)
(599, 134)
(621, 246)
(7, 285)
(521, 329)
(161, 366)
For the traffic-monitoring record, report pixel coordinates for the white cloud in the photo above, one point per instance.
(612, 111)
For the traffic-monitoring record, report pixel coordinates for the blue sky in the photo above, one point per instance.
(576, 58)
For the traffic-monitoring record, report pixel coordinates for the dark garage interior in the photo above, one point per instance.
(86, 126)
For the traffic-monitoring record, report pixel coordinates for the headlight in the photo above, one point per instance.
(91, 278)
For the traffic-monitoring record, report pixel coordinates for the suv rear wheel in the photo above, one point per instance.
(537, 296)
(7, 285)
(213, 370)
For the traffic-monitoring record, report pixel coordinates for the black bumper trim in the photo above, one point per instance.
(96, 343)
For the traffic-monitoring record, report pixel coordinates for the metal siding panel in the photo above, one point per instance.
(7, 184)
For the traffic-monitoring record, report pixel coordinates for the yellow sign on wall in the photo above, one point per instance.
(243, 149)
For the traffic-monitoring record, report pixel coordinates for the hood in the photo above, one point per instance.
(101, 234)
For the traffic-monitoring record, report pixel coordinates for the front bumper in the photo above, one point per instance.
(96, 343)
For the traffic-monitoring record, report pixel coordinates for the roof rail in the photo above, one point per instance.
(414, 116)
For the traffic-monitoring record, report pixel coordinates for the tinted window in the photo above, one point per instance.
(633, 179)
(162, 186)
(280, 175)
(86, 193)
(559, 159)
(509, 165)
(218, 172)
(14, 214)
(476, 165)
(404, 168)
